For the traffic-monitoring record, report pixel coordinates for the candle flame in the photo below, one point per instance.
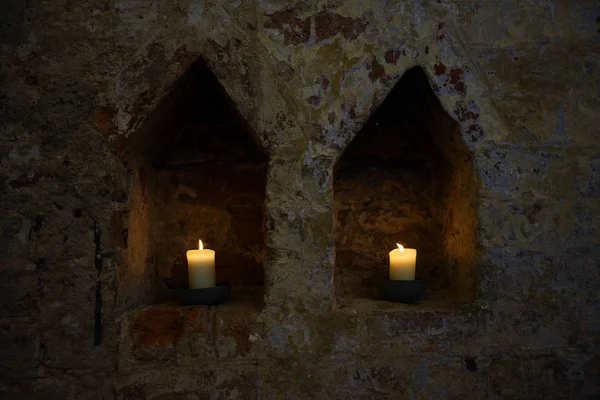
(200, 247)
(400, 247)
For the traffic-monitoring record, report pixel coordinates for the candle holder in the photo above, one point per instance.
(401, 291)
(205, 296)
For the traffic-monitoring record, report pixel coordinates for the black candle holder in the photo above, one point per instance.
(401, 291)
(205, 296)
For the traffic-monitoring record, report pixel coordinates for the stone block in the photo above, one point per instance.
(447, 378)
(158, 333)
(210, 381)
(235, 331)
(176, 333)
(21, 295)
(90, 386)
(20, 353)
(297, 379)
(533, 377)
(386, 330)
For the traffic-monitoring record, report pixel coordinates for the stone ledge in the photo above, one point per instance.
(438, 303)
(433, 325)
(170, 333)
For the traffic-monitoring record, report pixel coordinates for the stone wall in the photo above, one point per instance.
(82, 80)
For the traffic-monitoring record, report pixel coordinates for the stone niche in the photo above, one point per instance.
(407, 177)
(199, 172)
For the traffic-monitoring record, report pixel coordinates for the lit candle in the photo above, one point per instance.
(201, 267)
(402, 264)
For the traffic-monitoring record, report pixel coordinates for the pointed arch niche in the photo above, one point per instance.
(406, 177)
(198, 172)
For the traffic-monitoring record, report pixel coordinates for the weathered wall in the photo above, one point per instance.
(78, 78)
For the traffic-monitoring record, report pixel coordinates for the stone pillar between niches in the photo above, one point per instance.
(299, 208)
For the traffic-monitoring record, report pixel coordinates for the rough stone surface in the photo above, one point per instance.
(80, 84)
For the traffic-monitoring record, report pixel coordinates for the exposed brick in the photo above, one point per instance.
(158, 327)
(161, 331)
(328, 24)
(391, 56)
(233, 331)
(295, 30)
(377, 70)
(104, 122)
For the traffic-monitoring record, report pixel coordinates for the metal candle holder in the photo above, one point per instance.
(401, 291)
(206, 296)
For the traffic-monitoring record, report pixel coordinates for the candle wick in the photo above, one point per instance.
(200, 244)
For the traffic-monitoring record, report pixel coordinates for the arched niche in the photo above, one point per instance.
(198, 171)
(407, 177)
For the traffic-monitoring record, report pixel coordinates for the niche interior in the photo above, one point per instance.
(199, 172)
(407, 177)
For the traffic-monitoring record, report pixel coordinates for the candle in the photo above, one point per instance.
(201, 267)
(402, 264)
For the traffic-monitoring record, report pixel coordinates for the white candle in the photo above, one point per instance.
(201, 267)
(402, 264)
